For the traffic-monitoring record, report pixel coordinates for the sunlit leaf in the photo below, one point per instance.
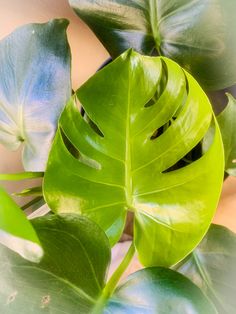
(142, 122)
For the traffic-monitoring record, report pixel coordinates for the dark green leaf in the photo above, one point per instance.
(158, 290)
(120, 165)
(70, 276)
(16, 231)
(200, 35)
(212, 266)
(34, 87)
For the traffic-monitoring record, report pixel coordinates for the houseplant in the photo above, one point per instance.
(127, 102)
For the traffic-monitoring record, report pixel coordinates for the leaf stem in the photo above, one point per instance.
(113, 281)
(20, 176)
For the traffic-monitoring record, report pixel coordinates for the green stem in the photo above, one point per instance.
(113, 281)
(20, 176)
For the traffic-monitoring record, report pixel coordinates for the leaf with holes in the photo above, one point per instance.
(73, 282)
(16, 231)
(212, 267)
(147, 114)
(34, 88)
(199, 35)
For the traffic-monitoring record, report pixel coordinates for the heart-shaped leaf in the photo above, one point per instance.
(71, 277)
(212, 267)
(199, 35)
(158, 290)
(16, 232)
(34, 87)
(145, 115)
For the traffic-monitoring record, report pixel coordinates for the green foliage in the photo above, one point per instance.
(212, 268)
(16, 231)
(199, 35)
(71, 276)
(34, 87)
(158, 290)
(227, 124)
(143, 121)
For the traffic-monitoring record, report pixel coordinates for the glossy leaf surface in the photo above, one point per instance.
(34, 88)
(72, 274)
(212, 267)
(16, 232)
(200, 35)
(158, 290)
(120, 162)
(67, 280)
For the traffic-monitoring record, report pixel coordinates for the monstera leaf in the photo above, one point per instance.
(199, 35)
(16, 231)
(73, 281)
(34, 87)
(212, 267)
(145, 115)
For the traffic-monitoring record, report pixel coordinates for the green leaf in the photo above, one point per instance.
(119, 165)
(72, 274)
(34, 87)
(227, 124)
(69, 278)
(158, 290)
(212, 267)
(199, 35)
(16, 232)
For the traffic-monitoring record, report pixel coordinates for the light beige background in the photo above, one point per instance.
(87, 56)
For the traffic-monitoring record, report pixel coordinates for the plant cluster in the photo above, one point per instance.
(140, 138)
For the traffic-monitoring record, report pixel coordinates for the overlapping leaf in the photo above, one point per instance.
(227, 124)
(212, 267)
(147, 114)
(158, 290)
(34, 87)
(16, 231)
(71, 277)
(200, 35)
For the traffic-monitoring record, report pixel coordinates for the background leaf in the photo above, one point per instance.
(34, 87)
(70, 276)
(16, 232)
(227, 123)
(212, 267)
(141, 123)
(158, 290)
(199, 35)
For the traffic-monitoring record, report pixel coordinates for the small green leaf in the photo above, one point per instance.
(69, 278)
(199, 35)
(142, 122)
(16, 232)
(158, 290)
(227, 123)
(212, 267)
(34, 87)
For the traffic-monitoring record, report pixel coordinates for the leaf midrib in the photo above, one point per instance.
(128, 177)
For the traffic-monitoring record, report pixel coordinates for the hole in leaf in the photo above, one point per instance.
(161, 86)
(190, 157)
(76, 153)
